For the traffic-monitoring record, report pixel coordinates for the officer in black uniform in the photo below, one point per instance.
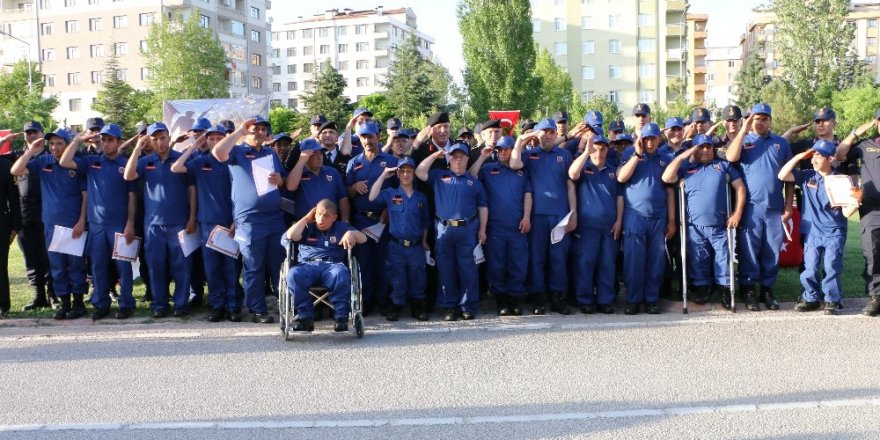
(10, 223)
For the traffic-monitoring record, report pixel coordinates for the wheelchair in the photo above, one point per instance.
(321, 295)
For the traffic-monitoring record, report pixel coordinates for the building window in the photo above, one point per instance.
(559, 24)
(96, 24)
(536, 25)
(646, 20)
(96, 50)
(586, 22)
(307, 33)
(871, 59)
(120, 21)
(237, 28)
(276, 70)
(324, 49)
(710, 77)
(257, 82)
(362, 64)
(276, 53)
(871, 41)
(255, 36)
(73, 53)
(343, 65)
(97, 77)
(614, 96)
(361, 47)
(276, 87)
(588, 47)
(204, 21)
(308, 86)
(614, 21)
(615, 72)
(291, 103)
(360, 29)
(255, 13)
(872, 23)
(256, 59)
(75, 104)
(143, 46)
(587, 72)
(648, 95)
(613, 46)
(70, 3)
(291, 51)
(730, 63)
(291, 86)
(122, 75)
(363, 82)
(308, 67)
(276, 36)
(73, 79)
(120, 48)
(71, 26)
(291, 68)
(588, 95)
(647, 44)
(94, 2)
(647, 70)
(340, 30)
(50, 80)
(48, 55)
(342, 48)
(308, 50)
(145, 19)
(560, 48)
(46, 28)
(145, 73)
(324, 32)
(291, 35)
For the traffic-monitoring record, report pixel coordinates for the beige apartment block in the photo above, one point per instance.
(76, 37)
(696, 58)
(722, 65)
(627, 51)
(358, 43)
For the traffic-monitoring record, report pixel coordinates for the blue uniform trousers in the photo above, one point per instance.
(371, 258)
(101, 241)
(164, 254)
(760, 240)
(405, 271)
(708, 254)
(334, 276)
(820, 248)
(644, 256)
(261, 253)
(68, 271)
(548, 263)
(507, 257)
(221, 272)
(459, 283)
(595, 255)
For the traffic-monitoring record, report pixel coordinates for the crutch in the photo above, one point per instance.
(731, 249)
(682, 214)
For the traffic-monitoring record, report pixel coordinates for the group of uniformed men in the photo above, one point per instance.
(559, 214)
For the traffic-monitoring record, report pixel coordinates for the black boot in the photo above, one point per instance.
(418, 310)
(724, 292)
(513, 306)
(557, 304)
(873, 306)
(41, 301)
(393, 313)
(78, 309)
(701, 295)
(768, 299)
(62, 311)
(501, 304)
(539, 303)
(751, 298)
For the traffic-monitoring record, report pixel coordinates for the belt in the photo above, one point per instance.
(456, 222)
(404, 243)
(321, 260)
(372, 215)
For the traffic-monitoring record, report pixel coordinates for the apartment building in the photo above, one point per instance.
(696, 58)
(722, 65)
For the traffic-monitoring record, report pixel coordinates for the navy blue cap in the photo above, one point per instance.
(413, 133)
(560, 116)
(216, 129)
(594, 118)
(32, 126)
(94, 123)
(616, 126)
(687, 120)
(438, 118)
(825, 148)
(280, 136)
(598, 130)
(201, 124)
(650, 130)
(362, 111)
(623, 137)
(702, 139)
(641, 109)
(458, 146)
(823, 114)
(700, 114)
(546, 124)
(328, 125)
(318, 120)
(599, 139)
(112, 130)
(228, 125)
(402, 133)
(674, 121)
(491, 123)
(505, 142)
(731, 112)
(155, 127)
(62, 133)
(309, 144)
(393, 123)
(762, 108)
(260, 120)
(368, 128)
(406, 161)
(528, 124)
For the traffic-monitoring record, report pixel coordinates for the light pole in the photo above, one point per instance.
(30, 70)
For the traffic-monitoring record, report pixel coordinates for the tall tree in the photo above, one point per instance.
(115, 99)
(750, 80)
(556, 86)
(185, 60)
(415, 85)
(18, 104)
(600, 103)
(854, 107)
(789, 106)
(381, 107)
(499, 53)
(327, 95)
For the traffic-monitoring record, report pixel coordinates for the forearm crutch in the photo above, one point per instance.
(731, 249)
(682, 215)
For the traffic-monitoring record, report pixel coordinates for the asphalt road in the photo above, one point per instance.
(710, 374)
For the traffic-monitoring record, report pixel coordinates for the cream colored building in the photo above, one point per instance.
(722, 65)
(696, 58)
(359, 44)
(627, 51)
(77, 36)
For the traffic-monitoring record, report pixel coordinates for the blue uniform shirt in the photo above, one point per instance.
(818, 215)
(360, 168)
(597, 191)
(326, 184)
(166, 200)
(667, 150)
(505, 191)
(408, 215)
(706, 191)
(548, 173)
(456, 197)
(107, 197)
(761, 160)
(214, 188)
(317, 244)
(61, 189)
(247, 205)
(645, 192)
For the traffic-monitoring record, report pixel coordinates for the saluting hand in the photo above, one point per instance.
(862, 129)
(440, 154)
(295, 134)
(9, 137)
(389, 172)
(486, 152)
(36, 146)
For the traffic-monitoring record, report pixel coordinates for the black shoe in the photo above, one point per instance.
(64, 309)
(653, 308)
(514, 307)
(392, 313)
(217, 315)
(873, 306)
(831, 308)
(160, 314)
(539, 303)
(587, 309)
(607, 309)
(4, 314)
(41, 301)
(768, 299)
(450, 315)
(701, 295)
(148, 297)
(196, 302)
(180, 313)
(418, 310)
(234, 315)
(303, 325)
(631, 309)
(726, 300)
(751, 299)
(501, 305)
(78, 309)
(807, 306)
(262, 318)
(341, 325)
(100, 314)
(124, 313)
(467, 316)
(557, 304)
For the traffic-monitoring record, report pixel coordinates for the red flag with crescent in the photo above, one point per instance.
(509, 119)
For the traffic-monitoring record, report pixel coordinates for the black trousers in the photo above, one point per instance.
(5, 231)
(32, 242)
(870, 233)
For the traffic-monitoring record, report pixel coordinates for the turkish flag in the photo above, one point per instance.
(7, 146)
(792, 254)
(508, 118)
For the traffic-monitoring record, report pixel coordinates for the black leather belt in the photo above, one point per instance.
(404, 243)
(456, 222)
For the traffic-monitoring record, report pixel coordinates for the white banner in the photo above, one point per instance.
(180, 115)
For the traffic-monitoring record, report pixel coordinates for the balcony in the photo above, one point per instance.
(228, 11)
(676, 5)
(700, 52)
(700, 34)
(176, 3)
(699, 69)
(700, 87)
(674, 30)
(675, 55)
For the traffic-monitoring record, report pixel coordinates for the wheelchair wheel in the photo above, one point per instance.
(359, 325)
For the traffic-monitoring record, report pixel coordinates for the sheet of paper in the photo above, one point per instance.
(288, 206)
(479, 257)
(428, 260)
(125, 251)
(220, 241)
(558, 231)
(262, 168)
(64, 243)
(839, 189)
(188, 242)
(375, 231)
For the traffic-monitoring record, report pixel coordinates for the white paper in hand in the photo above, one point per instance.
(220, 241)
(558, 231)
(428, 260)
(125, 251)
(188, 242)
(262, 168)
(479, 257)
(839, 190)
(64, 243)
(375, 231)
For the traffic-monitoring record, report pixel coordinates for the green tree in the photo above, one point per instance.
(499, 53)
(789, 108)
(381, 107)
(601, 103)
(283, 119)
(678, 108)
(556, 86)
(185, 60)
(415, 86)
(327, 96)
(18, 104)
(854, 106)
(750, 80)
(115, 101)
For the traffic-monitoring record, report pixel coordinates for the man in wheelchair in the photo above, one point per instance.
(322, 253)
